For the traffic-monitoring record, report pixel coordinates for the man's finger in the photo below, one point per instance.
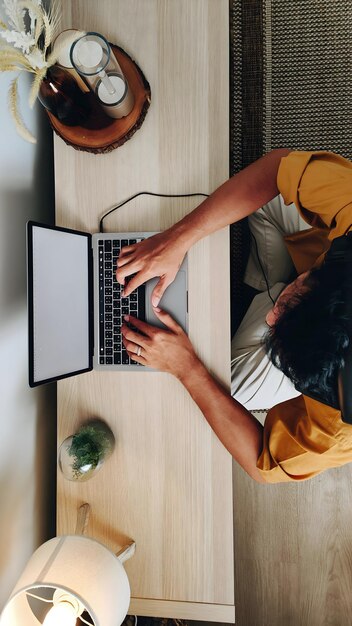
(127, 270)
(160, 288)
(127, 249)
(135, 282)
(145, 328)
(127, 258)
(167, 320)
(137, 358)
(131, 335)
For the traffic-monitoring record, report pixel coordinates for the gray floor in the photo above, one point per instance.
(293, 551)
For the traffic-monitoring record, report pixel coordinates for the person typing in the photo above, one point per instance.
(293, 337)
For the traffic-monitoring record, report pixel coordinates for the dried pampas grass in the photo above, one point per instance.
(34, 91)
(24, 45)
(14, 56)
(13, 107)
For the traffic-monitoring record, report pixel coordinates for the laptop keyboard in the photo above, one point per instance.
(113, 308)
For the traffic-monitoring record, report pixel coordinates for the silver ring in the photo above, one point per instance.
(139, 350)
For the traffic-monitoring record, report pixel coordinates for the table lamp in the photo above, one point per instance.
(70, 580)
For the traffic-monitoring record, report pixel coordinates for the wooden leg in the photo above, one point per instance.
(82, 519)
(126, 552)
(81, 526)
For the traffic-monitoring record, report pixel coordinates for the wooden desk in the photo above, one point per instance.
(169, 483)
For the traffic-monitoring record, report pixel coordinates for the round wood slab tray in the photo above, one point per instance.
(101, 133)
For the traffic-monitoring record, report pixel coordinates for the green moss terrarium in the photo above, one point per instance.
(82, 455)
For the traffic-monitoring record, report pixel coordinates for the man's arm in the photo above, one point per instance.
(237, 429)
(237, 198)
(162, 254)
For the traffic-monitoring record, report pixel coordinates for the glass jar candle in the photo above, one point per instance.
(93, 59)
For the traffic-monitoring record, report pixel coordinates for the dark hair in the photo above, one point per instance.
(310, 336)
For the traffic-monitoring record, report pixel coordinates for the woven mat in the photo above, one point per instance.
(291, 86)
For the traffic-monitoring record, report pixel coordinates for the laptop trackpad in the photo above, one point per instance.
(174, 301)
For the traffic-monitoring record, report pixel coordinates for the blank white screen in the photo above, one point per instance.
(60, 303)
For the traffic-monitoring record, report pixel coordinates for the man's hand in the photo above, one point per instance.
(160, 255)
(163, 254)
(171, 351)
(166, 350)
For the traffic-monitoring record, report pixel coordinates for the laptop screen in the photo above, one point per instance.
(59, 303)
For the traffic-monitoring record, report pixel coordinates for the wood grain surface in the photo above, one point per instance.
(168, 484)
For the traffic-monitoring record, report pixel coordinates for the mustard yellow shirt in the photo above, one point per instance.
(303, 437)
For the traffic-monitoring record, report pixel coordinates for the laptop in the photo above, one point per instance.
(75, 307)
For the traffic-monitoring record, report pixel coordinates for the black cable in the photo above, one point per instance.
(148, 193)
(261, 267)
(186, 195)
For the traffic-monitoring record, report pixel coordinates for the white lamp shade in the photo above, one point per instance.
(82, 567)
